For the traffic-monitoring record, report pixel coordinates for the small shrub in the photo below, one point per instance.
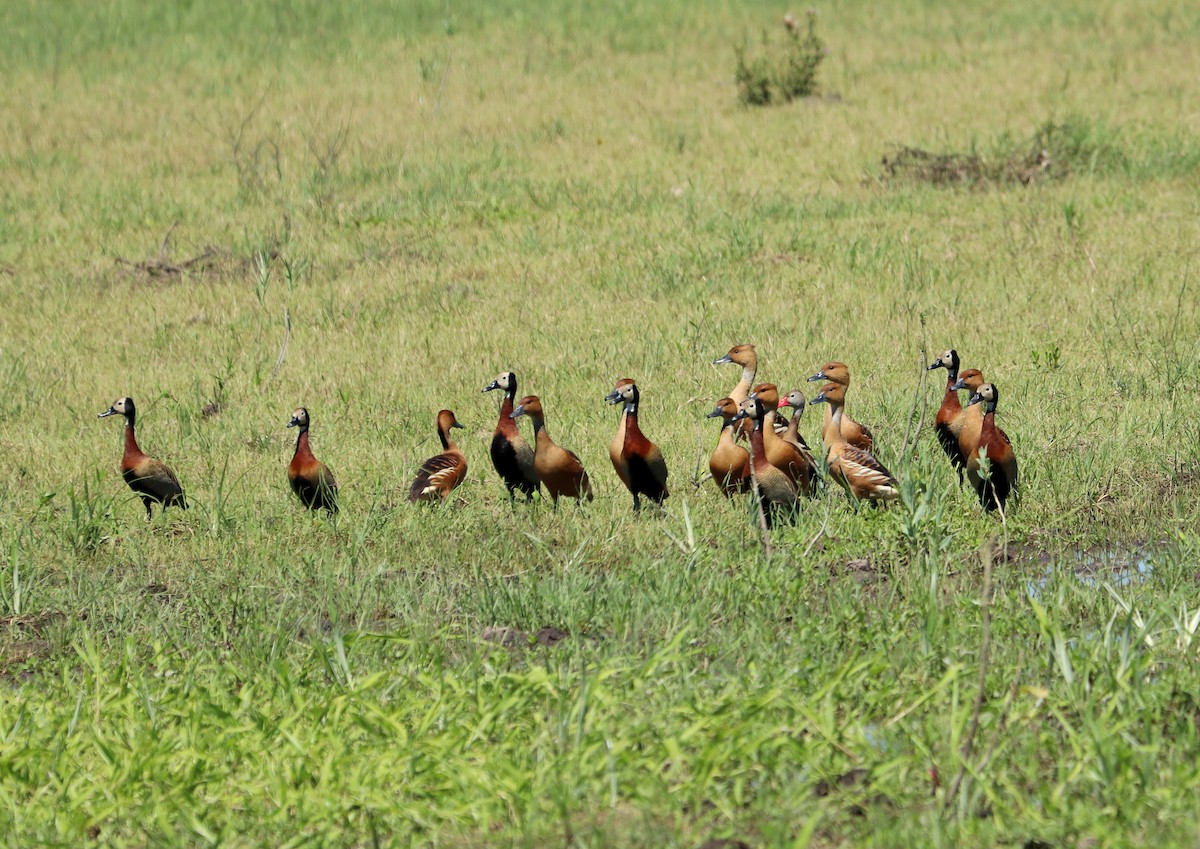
(780, 73)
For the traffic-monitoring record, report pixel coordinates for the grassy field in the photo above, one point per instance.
(419, 196)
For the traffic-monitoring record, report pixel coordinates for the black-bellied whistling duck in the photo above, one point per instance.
(774, 489)
(795, 400)
(641, 466)
(969, 423)
(618, 442)
(311, 479)
(785, 455)
(854, 468)
(511, 454)
(730, 462)
(149, 478)
(559, 470)
(441, 473)
(856, 434)
(1000, 481)
(949, 412)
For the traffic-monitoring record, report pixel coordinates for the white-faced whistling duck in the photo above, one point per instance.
(949, 421)
(441, 473)
(856, 434)
(149, 478)
(969, 423)
(1001, 479)
(854, 468)
(795, 400)
(774, 489)
(511, 454)
(618, 442)
(641, 465)
(785, 455)
(311, 479)
(559, 470)
(730, 462)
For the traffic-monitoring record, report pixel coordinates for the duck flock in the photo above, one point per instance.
(778, 468)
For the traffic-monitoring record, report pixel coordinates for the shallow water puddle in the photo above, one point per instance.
(1095, 567)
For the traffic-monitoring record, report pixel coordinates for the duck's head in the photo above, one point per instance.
(621, 391)
(726, 408)
(971, 379)
(832, 393)
(987, 395)
(794, 399)
(299, 418)
(506, 380)
(768, 393)
(120, 407)
(947, 360)
(530, 405)
(743, 355)
(834, 372)
(446, 420)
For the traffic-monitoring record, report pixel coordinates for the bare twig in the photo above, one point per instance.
(287, 334)
(918, 398)
(820, 533)
(985, 602)
(166, 242)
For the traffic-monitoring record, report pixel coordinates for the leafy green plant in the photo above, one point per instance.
(781, 72)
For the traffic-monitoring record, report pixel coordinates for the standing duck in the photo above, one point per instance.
(311, 479)
(618, 442)
(443, 472)
(774, 489)
(949, 420)
(969, 423)
(854, 468)
(149, 478)
(730, 462)
(856, 434)
(1000, 481)
(558, 469)
(787, 456)
(511, 454)
(744, 356)
(795, 400)
(641, 465)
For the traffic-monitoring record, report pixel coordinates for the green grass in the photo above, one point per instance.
(435, 193)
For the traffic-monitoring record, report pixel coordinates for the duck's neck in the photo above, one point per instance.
(756, 443)
(539, 426)
(131, 446)
(742, 390)
(302, 443)
(793, 429)
(833, 433)
(507, 424)
(447, 442)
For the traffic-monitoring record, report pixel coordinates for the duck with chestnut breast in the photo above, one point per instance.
(785, 455)
(949, 420)
(559, 470)
(440, 474)
(511, 454)
(311, 479)
(857, 470)
(149, 478)
(795, 400)
(1000, 480)
(641, 465)
(776, 492)
(729, 462)
(856, 434)
(969, 423)
(618, 441)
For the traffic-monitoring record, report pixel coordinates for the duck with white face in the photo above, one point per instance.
(992, 464)
(512, 456)
(639, 464)
(311, 480)
(151, 479)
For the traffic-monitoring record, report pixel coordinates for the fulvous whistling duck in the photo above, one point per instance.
(774, 489)
(1000, 481)
(149, 478)
(744, 356)
(311, 479)
(785, 455)
(969, 423)
(948, 422)
(618, 442)
(441, 473)
(511, 454)
(558, 469)
(730, 462)
(854, 468)
(856, 434)
(641, 466)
